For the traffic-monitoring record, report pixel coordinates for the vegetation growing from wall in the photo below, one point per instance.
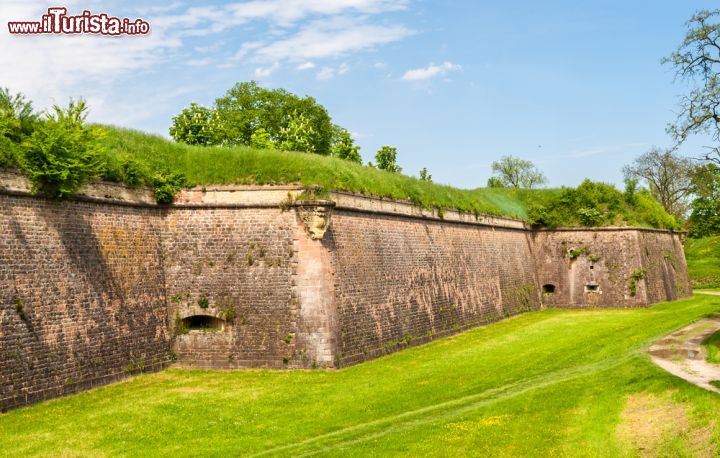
(633, 279)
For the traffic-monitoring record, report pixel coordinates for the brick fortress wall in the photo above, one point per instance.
(110, 284)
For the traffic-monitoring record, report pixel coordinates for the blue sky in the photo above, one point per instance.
(576, 87)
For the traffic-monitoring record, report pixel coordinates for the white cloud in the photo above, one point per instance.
(329, 72)
(305, 66)
(199, 62)
(330, 39)
(261, 72)
(419, 74)
(51, 68)
(285, 13)
(325, 73)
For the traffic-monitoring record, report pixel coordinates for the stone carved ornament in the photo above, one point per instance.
(315, 216)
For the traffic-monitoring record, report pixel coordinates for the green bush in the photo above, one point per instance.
(195, 125)
(597, 204)
(344, 147)
(386, 159)
(166, 184)
(17, 122)
(63, 153)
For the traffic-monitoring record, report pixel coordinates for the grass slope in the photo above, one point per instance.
(242, 165)
(712, 345)
(572, 383)
(703, 258)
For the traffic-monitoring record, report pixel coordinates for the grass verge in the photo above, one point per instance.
(572, 383)
(712, 345)
(703, 258)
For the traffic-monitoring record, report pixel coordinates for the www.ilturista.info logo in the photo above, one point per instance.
(57, 21)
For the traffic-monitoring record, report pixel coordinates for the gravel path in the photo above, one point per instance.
(682, 354)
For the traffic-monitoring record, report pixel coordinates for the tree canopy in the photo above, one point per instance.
(668, 176)
(697, 62)
(513, 172)
(275, 117)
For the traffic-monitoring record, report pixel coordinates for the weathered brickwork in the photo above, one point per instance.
(666, 272)
(110, 284)
(609, 268)
(401, 281)
(81, 296)
(239, 263)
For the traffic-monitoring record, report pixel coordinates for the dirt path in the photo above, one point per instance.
(682, 354)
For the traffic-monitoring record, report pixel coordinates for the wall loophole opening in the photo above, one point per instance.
(548, 289)
(203, 323)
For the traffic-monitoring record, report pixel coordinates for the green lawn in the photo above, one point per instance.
(574, 383)
(712, 345)
(703, 258)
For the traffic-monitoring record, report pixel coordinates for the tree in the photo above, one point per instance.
(17, 122)
(697, 61)
(513, 172)
(386, 159)
(669, 178)
(195, 125)
(343, 146)
(247, 107)
(298, 135)
(495, 182)
(260, 139)
(705, 216)
(425, 175)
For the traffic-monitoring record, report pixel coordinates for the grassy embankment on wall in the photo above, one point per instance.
(143, 155)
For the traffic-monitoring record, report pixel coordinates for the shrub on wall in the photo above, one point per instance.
(598, 204)
(63, 153)
(166, 184)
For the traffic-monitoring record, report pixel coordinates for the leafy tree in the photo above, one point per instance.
(697, 61)
(261, 139)
(517, 173)
(63, 153)
(425, 175)
(631, 189)
(668, 176)
(195, 125)
(386, 159)
(705, 216)
(344, 147)
(495, 182)
(298, 135)
(17, 121)
(247, 107)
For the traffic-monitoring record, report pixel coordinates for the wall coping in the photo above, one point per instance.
(13, 182)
